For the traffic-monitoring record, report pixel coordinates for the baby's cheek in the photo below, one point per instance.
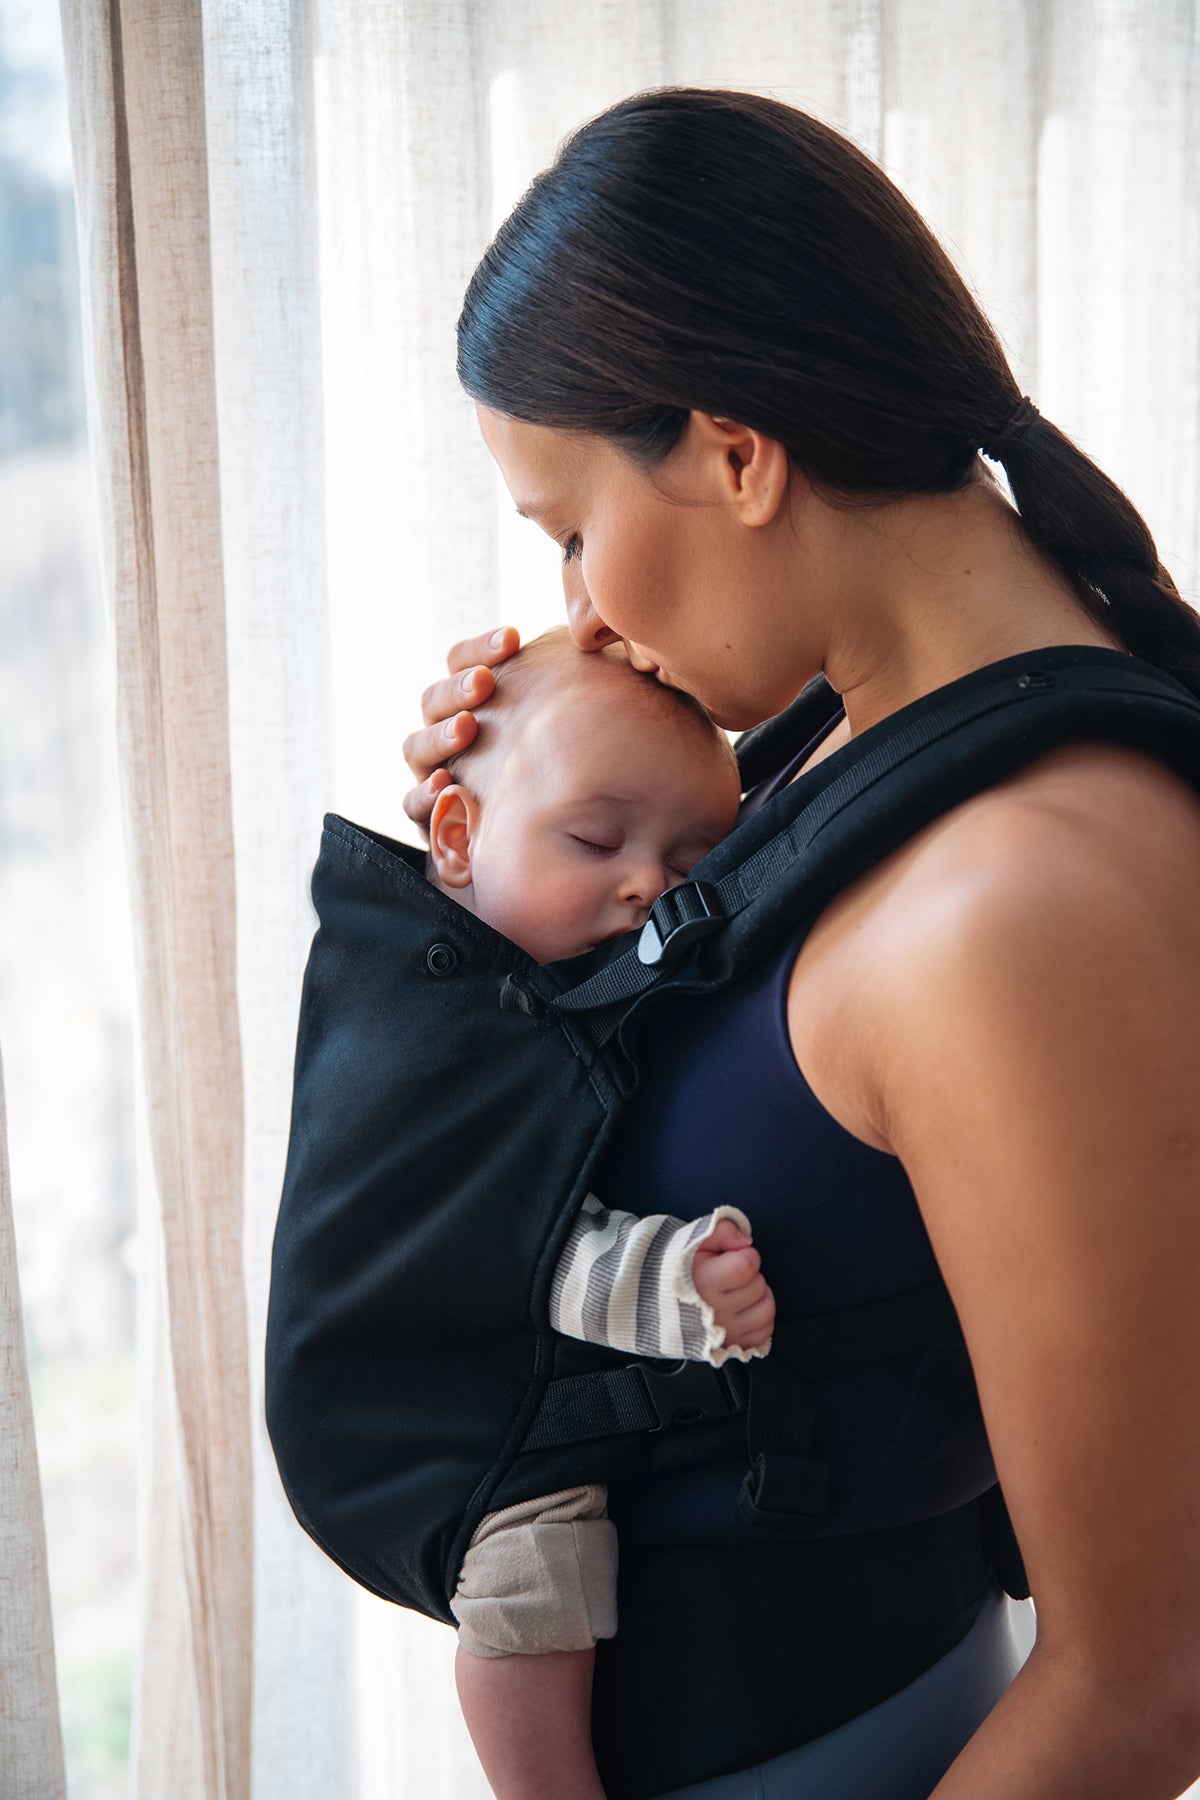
(561, 909)
(546, 908)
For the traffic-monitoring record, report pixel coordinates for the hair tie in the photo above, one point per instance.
(1023, 415)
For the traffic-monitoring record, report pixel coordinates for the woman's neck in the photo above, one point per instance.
(939, 585)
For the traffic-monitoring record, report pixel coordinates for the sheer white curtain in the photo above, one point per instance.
(280, 204)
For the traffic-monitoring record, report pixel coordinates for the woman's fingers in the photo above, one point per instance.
(419, 801)
(449, 722)
(492, 648)
(427, 749)
(469, 681)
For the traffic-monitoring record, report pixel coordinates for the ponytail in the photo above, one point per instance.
(1082, 520)
(633, 283)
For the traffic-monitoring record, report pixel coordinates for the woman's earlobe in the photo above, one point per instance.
(450, 827)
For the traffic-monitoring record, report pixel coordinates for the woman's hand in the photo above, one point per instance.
(449, 721)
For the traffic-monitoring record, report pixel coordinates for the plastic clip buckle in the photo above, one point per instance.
(689, 1393)
(677, 918)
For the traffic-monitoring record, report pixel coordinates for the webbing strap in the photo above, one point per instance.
(787, 1486)
(681, 912)
(634, 1398)
(651, 1396)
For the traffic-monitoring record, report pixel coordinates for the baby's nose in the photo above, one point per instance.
(642, 882)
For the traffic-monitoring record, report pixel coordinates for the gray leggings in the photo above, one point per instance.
(900, 1749)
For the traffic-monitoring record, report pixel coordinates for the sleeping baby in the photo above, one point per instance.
(589, 790)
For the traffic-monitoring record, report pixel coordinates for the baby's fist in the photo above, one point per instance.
(727, 1274)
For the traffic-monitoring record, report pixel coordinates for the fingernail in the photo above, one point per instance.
(467, 682)
(497, 638)
(448, 731)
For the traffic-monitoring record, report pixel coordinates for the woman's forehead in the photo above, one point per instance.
(541, 465)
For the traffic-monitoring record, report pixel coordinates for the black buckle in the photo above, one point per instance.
(688, 1393)
(678, 917)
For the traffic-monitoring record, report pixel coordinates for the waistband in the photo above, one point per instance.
(727, 1655)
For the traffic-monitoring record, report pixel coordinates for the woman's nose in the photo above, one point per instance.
(588, 630)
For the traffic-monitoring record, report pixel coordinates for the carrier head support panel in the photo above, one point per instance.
(452, 1099)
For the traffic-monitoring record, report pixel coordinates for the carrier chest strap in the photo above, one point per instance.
(696, 909)
(651, 1396)
(647, 1396)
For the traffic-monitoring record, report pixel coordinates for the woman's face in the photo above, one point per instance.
(696, 565)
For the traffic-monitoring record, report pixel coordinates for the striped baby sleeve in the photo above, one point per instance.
(627, 1283)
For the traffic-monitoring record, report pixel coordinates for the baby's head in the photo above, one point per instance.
(589, 790)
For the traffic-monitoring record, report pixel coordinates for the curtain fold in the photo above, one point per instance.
(279, 207)
(31, 1746)
(136, 86)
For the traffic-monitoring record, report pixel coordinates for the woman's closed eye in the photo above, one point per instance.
(572, 550)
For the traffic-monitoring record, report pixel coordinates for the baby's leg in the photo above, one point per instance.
(529, 1719)
(536, 1590)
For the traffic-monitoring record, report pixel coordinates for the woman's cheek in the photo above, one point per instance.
(623, 584)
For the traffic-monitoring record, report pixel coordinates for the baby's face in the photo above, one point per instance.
(608, 798)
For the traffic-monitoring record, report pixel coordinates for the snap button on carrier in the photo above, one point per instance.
(441, 960)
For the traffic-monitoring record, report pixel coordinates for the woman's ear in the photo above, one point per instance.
(752, 469)
(453, 823)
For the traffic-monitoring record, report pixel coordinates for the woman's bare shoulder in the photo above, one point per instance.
(1054, 891)
(1068, 886)
(1088, 827)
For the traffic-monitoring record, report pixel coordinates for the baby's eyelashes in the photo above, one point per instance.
(591, 844)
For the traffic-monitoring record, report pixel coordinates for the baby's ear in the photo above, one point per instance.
(455, 817)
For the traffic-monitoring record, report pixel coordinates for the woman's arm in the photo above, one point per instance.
(1036, 1066)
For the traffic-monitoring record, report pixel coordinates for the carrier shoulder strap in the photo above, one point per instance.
(868, 798)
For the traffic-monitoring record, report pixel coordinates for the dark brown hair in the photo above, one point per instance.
(697, 249)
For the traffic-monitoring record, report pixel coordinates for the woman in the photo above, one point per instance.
(721, 361)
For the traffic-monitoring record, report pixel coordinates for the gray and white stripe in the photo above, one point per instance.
(626, 1283)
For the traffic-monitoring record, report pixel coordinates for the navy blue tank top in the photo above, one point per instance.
(723, 1114)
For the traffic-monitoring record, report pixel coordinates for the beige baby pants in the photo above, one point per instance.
(538, 1576)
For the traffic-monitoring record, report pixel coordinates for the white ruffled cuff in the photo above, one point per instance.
(704, 1339)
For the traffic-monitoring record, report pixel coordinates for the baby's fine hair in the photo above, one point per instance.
(531, 669)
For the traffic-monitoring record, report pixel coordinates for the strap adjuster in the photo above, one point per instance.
(678, 917)
(689, 1393)
(790, 1493)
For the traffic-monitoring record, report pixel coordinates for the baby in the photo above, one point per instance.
(588, 791)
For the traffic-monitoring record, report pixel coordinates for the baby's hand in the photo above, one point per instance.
(725, 1270)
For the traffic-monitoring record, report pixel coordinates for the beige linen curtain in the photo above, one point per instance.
(31, 1746)
(280, 202)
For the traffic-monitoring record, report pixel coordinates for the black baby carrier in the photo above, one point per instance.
(452, 1101)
